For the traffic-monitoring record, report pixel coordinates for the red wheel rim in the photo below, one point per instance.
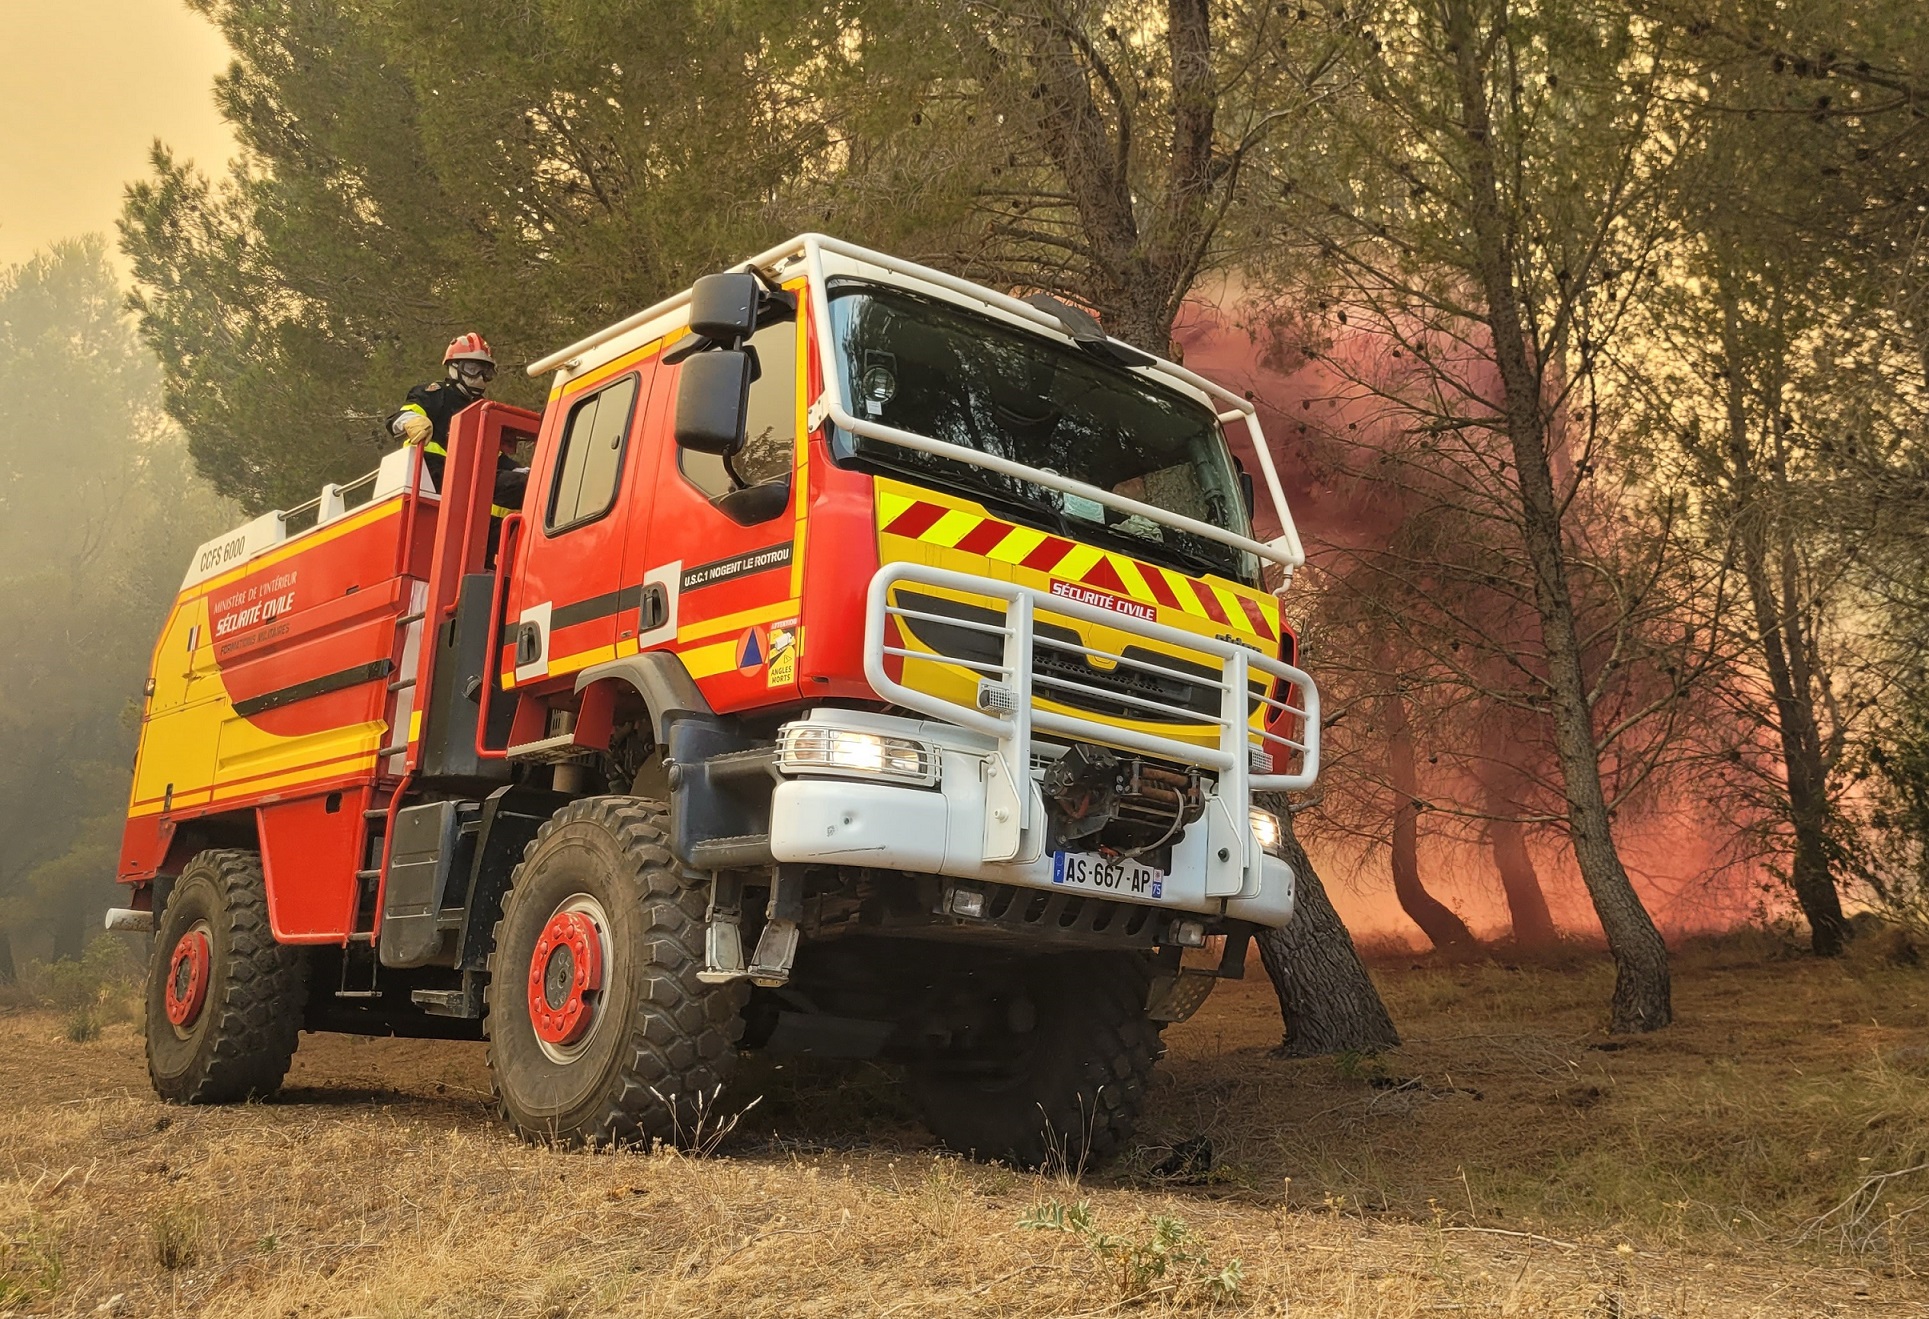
(567, 964)
(187, 978)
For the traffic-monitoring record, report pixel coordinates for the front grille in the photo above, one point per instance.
(1186, 688)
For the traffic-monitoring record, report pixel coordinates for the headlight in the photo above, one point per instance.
(1266, 830)
(825, 749)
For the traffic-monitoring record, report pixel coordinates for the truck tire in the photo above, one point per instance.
(599, 1031)
(224, 1000)
(1060, 1080)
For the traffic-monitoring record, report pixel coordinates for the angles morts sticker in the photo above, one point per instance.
(781, 662)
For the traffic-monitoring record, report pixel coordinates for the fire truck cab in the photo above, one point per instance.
(879, 666)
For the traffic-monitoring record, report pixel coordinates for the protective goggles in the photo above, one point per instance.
(483, 371)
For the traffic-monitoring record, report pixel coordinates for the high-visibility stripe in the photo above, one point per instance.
(983, 538)
(973, 532)
(914, 521)
(1209, 599)
(1046, 557)
(1155, 581)
(1258, 618)
(1105, 577)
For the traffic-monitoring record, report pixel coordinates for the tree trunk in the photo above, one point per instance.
(1642, 994)
(8, 973)
(1436, 920)
(1519, 880)
(1325, 994)
(1784, 651)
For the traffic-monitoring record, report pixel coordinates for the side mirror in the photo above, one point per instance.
(1247, 491)
(713, 400)
(723, 308)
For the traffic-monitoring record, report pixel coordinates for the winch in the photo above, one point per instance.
(1116, 804)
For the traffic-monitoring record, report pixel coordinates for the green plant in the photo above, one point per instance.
(1170, 1259)
(83, 1024)
(29, 1266)
(1357, 1066)
(102, 982)
(174, 1234)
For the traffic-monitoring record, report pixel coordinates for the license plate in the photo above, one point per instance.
(1107, 874)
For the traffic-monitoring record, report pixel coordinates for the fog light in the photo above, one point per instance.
(1266, 830)
(996, 698)
(967, 902)
(824, 749)
(1187, 934)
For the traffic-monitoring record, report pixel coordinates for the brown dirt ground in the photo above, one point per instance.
(1757, 1159)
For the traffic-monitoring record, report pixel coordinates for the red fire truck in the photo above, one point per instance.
(878, 666)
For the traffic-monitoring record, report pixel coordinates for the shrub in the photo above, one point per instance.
(1170, 1259)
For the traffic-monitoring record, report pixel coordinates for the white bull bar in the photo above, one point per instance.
(1008, 693)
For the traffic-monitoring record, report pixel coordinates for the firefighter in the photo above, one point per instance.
(424, 419)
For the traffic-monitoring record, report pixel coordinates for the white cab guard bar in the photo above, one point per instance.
(1009, 691)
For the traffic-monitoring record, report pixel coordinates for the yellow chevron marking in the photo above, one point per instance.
(1016, 545)
(953, 527)
(1077, 562)
(890, 504)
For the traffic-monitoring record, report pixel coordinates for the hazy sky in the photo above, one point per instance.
(85, 87)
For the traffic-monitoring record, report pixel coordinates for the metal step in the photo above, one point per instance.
(549, 751)
(756, 763)
(465, 1002)
(731, 853)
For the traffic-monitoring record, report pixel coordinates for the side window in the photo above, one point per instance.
(771, 436)
(592, 455)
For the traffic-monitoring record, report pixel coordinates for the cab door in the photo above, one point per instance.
(568, 597)
(720, 558)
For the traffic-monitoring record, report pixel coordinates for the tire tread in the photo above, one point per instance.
(257, 1026)
(682, 1041)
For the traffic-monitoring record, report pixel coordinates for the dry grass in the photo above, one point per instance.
(1754, 1160)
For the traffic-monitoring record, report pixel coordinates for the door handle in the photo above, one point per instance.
(529, 643)
(655, 609)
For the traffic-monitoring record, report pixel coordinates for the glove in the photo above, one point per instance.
(413, 427)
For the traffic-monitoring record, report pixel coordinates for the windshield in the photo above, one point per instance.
(937, 370)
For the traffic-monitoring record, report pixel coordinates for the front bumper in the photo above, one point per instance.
(1218, 870)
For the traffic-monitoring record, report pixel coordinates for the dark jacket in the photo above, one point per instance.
(439, 401)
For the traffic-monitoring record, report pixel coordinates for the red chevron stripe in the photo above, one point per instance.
(916, 520)
(1161, 589)
(985, 537)
(1209, 601)
(1258, 616)
(1106, 578)
(1048, 554)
